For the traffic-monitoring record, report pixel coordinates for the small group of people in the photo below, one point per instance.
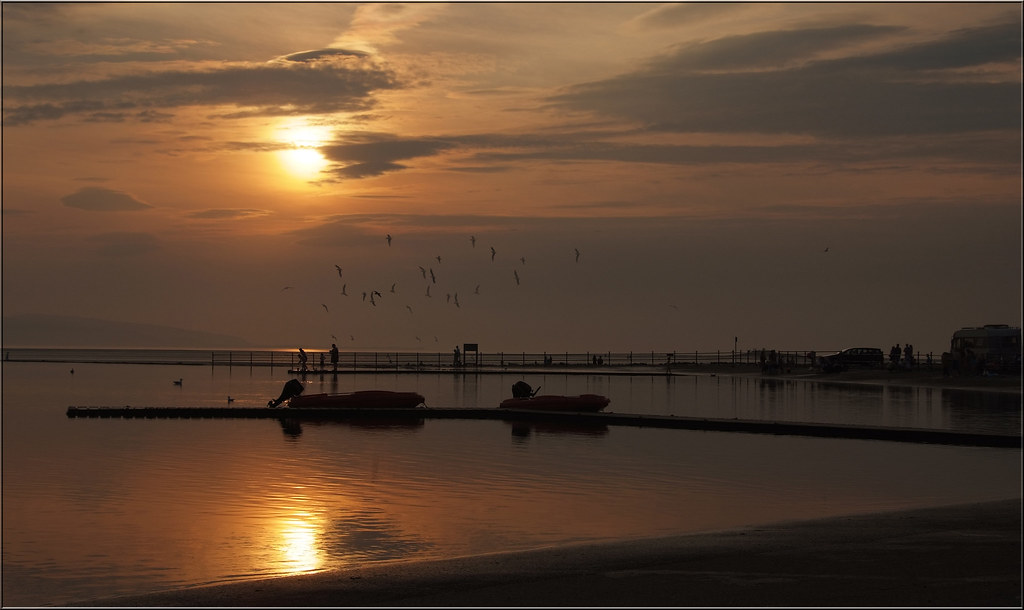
(907, 352)
(304, 359)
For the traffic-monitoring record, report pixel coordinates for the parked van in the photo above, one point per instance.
(993, 348)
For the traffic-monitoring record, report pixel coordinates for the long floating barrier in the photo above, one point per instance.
(911, 435)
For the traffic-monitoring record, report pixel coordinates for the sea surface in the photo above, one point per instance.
(101, 507)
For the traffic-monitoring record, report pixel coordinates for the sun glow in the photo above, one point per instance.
(302, 157)
(298, 545)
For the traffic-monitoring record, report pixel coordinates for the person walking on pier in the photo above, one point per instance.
(302, 359)
(334, 356)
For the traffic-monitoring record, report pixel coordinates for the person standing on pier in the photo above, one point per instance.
(302, 359)
(458, 357)
(334, 356)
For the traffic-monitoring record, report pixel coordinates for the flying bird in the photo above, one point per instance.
(343, 293)
(389, 239)
(409, 307)
(286, 288)
(516, 273)
(428, 290)
(448, 298)
(393, 288)
(423, 272)
(178, 382)
(472, 240)
(577, 251)
(325, 308)
(457, 300)
(433, 280)
(477, 290)
(522, 259)
(492, 254)
(438, 257)
(364, 296)
(826, 249)
(372, 302)
(231, 399)
(339, 270)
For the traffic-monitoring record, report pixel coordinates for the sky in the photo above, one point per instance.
(576, 176)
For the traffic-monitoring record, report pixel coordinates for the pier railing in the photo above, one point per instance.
(318, 360)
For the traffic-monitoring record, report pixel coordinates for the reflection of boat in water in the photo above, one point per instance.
(526, 428)
(363, 399)
(584, 402)
(293, 426)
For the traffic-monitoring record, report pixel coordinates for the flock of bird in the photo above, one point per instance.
(429, 273)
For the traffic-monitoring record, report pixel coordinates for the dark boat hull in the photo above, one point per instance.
(365, 399)
(590, 403)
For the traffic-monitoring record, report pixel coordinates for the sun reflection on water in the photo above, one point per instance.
(299, 537)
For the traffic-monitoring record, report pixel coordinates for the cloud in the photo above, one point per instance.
(885, 93)
(375, 154)
(222, 213)
(336, 82)
(320, 54)
(98, 199)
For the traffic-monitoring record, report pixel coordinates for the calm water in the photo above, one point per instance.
(96, 507)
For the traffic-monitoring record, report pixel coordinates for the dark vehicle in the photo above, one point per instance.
(864, 357)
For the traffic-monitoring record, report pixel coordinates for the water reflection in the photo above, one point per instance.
(298, 547)
(293, 427)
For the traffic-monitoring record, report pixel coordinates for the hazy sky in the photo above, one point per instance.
(799, 176)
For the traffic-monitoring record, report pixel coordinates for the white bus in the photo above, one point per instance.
(994, 348)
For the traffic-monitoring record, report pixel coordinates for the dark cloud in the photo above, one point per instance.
(373, 155)
(862, 95)
(320, 55)
(273, 88)
(98, 199)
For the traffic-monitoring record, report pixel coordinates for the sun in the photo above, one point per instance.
(301, 140)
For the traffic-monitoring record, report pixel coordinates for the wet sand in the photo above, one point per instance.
(965, 555)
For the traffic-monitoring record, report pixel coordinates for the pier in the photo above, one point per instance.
(910, 435)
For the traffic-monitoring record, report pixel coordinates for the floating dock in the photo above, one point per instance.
(910, 435)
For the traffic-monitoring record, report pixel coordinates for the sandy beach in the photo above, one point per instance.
(965, 555)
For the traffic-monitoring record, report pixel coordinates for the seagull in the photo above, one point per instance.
(351, 338)
(325, 308)
(472, 240)
(423, 272)
(286, 288)
(377, 292)
(343, 293)
(409, 307)
(418, 339)
(516, 273)
(393, 288)
(492, 254)
(428, 290)
(389, 239)
(448, 298)
(178, 382)
(433, 280)
(339, 270)
(457, 300)
(577, 251)
(333, 337)
(438, 257)
(72, 371)
(826, 249)
(477, 290)
(522, 259)
(364, 296)
(231, 399)
(372, 302)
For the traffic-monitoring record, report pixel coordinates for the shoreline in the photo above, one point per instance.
(960, 555)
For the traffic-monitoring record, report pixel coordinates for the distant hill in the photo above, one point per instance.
(39, 330)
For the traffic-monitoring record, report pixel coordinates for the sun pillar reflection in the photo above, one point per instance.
(300, 534)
